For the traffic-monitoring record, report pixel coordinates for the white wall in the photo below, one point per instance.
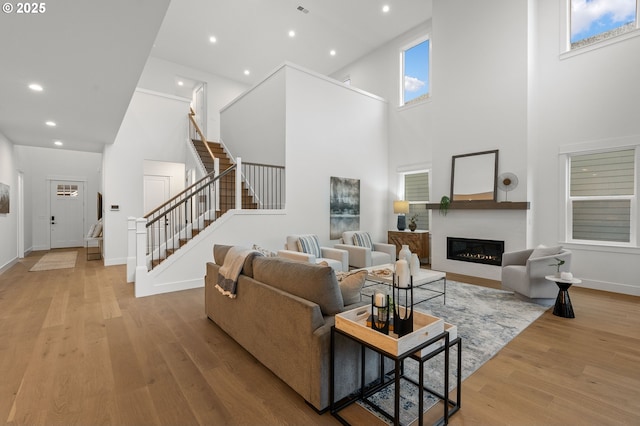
(585, 99)
(480, 103)
(160, 75)
(333, 130)
(154, 128)
(410, 128)
(498, 82)
(324, 138)
(253, 125)
(8, 221)
(40, 166)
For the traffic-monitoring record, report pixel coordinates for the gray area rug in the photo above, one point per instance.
(487, 319)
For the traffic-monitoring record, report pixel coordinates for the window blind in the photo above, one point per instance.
(605, 173)
(416, 189)
(601, 187)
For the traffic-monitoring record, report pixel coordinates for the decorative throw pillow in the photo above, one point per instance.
(350, 285)
(543, 250)
(97, 231)
(91, 230)
(362, 239)
(309, 244)
(265, 252)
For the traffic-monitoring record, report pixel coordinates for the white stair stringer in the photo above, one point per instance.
(186, 268)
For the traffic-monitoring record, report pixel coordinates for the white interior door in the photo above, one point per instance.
(157, 190)
(200, 107)
(67, 214)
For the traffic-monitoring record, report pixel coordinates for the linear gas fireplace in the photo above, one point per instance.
(477, 251)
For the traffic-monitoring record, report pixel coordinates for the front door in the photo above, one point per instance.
(67, 214)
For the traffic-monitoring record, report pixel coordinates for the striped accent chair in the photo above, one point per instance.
(363, 252)
(307, 248)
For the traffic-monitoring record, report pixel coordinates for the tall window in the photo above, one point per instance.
(415, 60)
(602, 196)
(592, 21)
(416, 192)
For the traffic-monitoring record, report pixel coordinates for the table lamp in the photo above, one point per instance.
(401, 207)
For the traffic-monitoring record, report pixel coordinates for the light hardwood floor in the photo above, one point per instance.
(76, 347)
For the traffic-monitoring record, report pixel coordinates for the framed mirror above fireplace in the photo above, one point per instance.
(474, 176)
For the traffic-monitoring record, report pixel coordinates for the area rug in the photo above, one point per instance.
(487, 319)
(56, 260)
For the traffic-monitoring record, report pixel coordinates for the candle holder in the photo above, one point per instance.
(402, 321)
(380, 316)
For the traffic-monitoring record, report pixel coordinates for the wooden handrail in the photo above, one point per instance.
(186, 190)
(198, 131)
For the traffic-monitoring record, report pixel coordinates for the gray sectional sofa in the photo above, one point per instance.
(282, 315)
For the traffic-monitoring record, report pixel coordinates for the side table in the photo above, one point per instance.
(563, 307)
(418, 242)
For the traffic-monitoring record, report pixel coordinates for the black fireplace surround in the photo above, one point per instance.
(488, 252)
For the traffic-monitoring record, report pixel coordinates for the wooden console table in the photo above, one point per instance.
(418, 242)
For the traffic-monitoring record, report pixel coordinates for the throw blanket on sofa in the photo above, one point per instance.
(231, 269)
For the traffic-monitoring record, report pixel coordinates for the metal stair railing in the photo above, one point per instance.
(182, 217)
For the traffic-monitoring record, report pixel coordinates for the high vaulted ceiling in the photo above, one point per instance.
(254, 34)
(88, 55)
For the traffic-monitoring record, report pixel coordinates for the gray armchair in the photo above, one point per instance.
(524, 273)
(337, 259)
(364, 257)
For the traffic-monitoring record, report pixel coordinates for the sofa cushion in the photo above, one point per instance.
(220, 252)
(362, 239)
(350, 285)
(543, 250)
(315, 283)
(309, 244)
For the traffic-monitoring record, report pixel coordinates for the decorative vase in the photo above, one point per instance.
(405, 254)
(412, 226)
(414, 266)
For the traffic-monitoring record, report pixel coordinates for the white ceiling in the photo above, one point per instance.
(89, 54)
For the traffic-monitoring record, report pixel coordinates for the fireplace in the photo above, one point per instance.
(488, 252)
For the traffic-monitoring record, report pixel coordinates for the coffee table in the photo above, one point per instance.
(383, 274)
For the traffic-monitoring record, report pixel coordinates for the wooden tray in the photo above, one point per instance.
(354, 322)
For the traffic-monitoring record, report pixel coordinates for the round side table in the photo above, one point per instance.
(563, 306)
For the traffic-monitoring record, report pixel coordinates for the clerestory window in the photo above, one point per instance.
(415, 71)
(595, 21)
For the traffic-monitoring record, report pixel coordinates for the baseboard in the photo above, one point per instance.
(8, 265)
(485, 282)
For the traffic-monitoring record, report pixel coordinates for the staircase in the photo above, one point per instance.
(227, 183)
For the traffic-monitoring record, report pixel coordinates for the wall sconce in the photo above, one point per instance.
(401, 208)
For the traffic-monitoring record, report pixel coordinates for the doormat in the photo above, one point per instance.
(56, 260)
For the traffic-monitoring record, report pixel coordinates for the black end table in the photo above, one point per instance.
(563, 307)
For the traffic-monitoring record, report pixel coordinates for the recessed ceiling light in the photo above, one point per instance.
(292, 33)
(212, 39)
(180, 83)
(385, 8)
(247, 72)
(332, 52)
(57, 143)
(51, 123)
(35, 87)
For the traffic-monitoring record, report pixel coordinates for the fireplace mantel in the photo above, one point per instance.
(483, 205)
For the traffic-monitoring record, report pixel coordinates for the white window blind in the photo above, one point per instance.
(416, 191)
(602, 188)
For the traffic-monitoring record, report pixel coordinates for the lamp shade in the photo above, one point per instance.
(400, 207)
